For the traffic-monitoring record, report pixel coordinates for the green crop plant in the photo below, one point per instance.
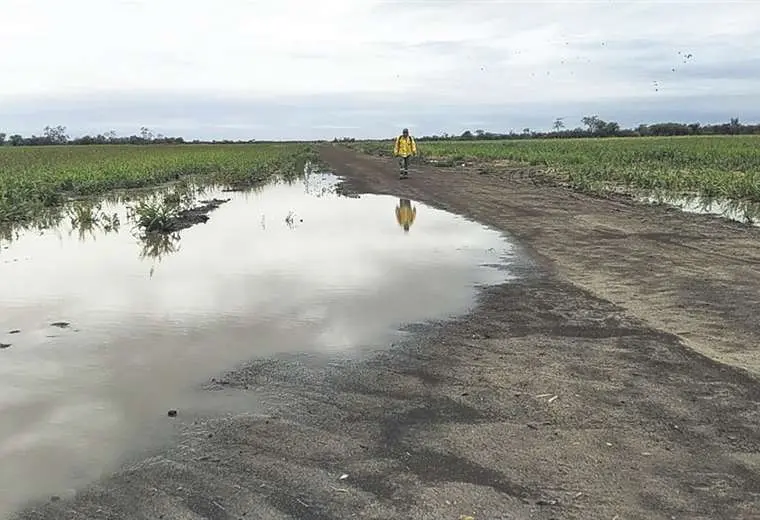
(715, 166)
(38, 177)
(156, 214)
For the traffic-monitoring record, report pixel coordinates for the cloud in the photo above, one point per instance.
(341, 64)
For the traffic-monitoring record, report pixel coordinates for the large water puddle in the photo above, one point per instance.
(104, 330)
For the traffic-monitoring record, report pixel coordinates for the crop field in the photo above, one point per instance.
(710, 166)
(39, 177)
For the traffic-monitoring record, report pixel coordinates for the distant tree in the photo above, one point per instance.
(2, 138)
(146, 134)
(16, 140)
(558, 124)
(734, 125)
(55, 135)
(593, 123)
(610, 128)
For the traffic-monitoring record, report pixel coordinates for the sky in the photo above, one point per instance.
(303, 69)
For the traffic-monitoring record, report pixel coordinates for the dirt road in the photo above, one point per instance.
(577, 392)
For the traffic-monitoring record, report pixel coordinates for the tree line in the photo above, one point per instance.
(594, 126)
(57, 135)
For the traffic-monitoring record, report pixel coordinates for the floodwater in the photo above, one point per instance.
(107, 332)
(738, 210)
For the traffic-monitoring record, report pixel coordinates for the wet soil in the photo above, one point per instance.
(616, 378)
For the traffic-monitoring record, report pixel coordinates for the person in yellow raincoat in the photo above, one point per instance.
(405, 214)
(404, 148)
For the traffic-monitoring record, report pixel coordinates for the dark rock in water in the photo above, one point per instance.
(61, 324)
(172, 413)
(4, 346)
(55, 498)
(214, 203)
(198, 215)
(15, 331)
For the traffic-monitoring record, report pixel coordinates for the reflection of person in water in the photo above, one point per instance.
(405, 214)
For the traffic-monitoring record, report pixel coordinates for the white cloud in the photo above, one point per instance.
(464, 54)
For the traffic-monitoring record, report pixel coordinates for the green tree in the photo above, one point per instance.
(734, 125)
(593, 123)
(610, 128)
(56, 135)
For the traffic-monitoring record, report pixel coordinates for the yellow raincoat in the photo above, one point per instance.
(405, 147)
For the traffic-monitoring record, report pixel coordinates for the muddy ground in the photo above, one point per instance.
(587, 389)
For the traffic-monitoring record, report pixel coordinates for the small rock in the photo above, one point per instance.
(15, 331)
(4, 346)
(55, 498)
(172, 413)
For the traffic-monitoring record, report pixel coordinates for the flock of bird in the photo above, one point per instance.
(685, 57)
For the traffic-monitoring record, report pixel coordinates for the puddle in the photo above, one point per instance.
(107, 331)
(742, 211)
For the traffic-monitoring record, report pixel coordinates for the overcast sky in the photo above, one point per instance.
(365, 68)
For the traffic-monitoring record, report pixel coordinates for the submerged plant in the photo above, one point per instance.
(156, 245)
(156, 215)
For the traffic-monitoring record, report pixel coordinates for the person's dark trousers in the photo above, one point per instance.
(404, 164)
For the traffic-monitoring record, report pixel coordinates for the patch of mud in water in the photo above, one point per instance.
(740, 211)
(290, 267)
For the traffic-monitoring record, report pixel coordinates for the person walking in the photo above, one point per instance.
(404, 148)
